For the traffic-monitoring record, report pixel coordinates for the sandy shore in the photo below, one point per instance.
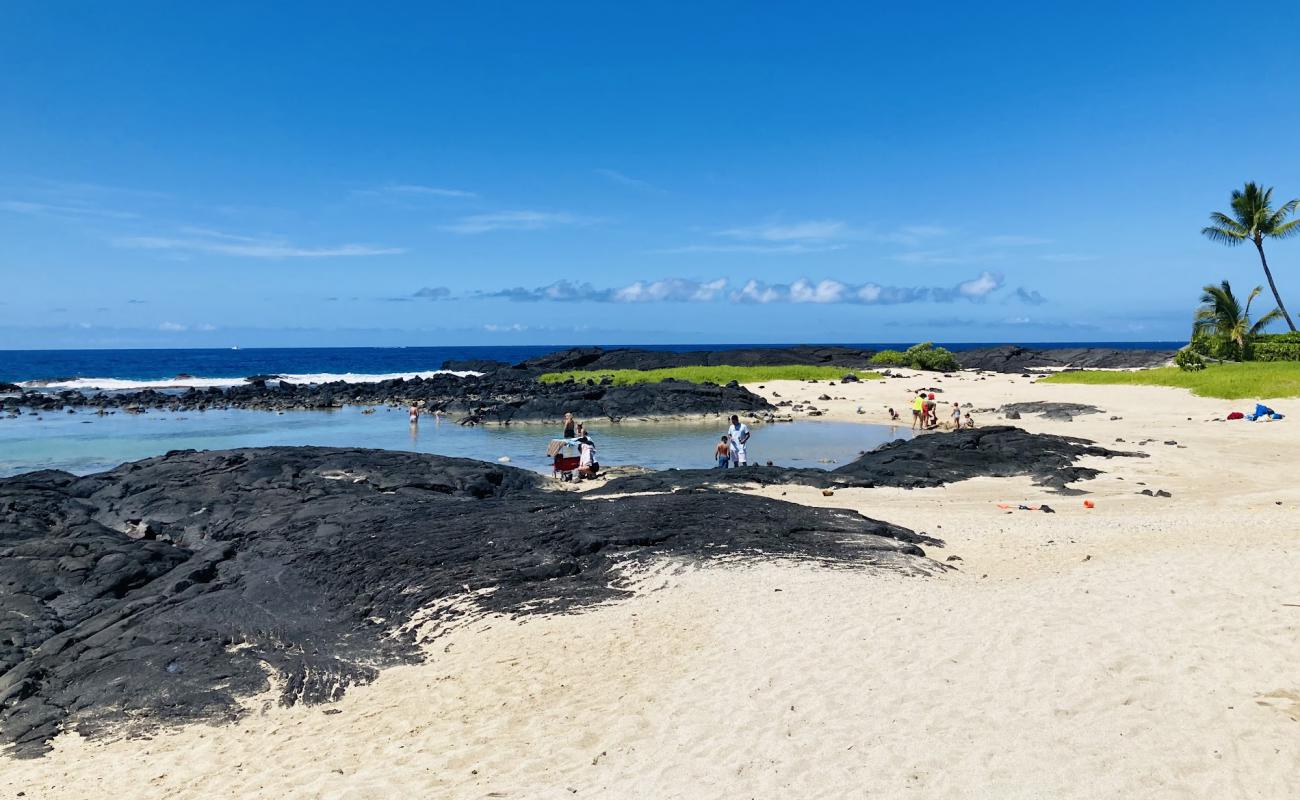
(1148, 647)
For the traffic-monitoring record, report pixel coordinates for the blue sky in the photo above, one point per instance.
(488, 173)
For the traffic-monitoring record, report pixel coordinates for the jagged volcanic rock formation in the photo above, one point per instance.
(1010, 358)
(167, 589)
(597, 358)
(925, 461)
(501, 396)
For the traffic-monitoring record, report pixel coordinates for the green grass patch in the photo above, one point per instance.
(1239, 381)
(720, 374)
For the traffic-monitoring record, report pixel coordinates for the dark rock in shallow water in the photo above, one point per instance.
(502, 396)
(1013, 359)
(10, 387)
(474, 365)
(925, 461)
(596, 358)
(167, 589)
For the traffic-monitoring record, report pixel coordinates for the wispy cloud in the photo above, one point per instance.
(1068, 258)
(754, 249)
(809, 231)
(176, 327)
(627, 180)
(515, 221)
(414, 190)
(808, 236)
(62, 211)
(982, 249)
(1013, 240)
(200, 240)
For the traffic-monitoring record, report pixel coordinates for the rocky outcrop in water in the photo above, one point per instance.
(1011, 358)
(596, 358)
(168, 589)
(503, 396)
(926, 461)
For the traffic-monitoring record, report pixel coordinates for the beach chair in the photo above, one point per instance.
(564, 455)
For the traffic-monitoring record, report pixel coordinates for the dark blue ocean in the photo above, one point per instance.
(150, 365)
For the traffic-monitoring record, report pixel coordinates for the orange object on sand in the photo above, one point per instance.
(1088, 504)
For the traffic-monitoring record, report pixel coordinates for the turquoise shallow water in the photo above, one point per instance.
(84, 443)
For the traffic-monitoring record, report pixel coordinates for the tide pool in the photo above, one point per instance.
(83, 442)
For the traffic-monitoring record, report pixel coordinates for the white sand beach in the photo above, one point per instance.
(1148, 647)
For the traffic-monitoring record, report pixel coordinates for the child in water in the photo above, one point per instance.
(723, 453)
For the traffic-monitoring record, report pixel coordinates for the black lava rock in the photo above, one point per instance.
(170, 588)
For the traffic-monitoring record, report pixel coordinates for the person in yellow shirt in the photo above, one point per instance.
(918, 408)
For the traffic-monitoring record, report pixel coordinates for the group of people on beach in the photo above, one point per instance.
(732, 450)
(575, 433)
(925, 414)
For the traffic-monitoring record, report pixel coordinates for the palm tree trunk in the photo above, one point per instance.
(1259, 245)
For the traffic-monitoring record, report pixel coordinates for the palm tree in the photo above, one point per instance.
(1253, 218)
(1221, 315)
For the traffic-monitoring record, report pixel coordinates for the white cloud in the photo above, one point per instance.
(201, 240)
(1068, 258)
(826, 291)
(802, 291)
(754, 249)
(1014, 240)
(981, 286)
(627, 180)
(63, 211)
(414, 190)
(811, 230)
(514, 221)
(494, 328)
(670, 290)
(172, 327)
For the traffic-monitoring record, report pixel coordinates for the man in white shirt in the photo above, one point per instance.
(738, 433)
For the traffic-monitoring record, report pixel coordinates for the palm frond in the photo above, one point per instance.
(1286, 230)
(1266, 320)
(1223, 235)
(1250, 299)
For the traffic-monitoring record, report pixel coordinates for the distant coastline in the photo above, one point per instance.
(364, 363)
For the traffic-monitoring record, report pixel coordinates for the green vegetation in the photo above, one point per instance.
(1222, 328)
(1250, 380)
(919, 356)
(1276, 347)
(719, 374)
(1253, 219)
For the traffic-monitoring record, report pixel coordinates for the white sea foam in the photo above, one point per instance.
(118, 384)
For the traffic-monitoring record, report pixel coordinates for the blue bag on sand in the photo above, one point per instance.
(1262, 410)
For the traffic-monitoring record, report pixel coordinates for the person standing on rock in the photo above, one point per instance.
(739, 435)
(568, 425)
